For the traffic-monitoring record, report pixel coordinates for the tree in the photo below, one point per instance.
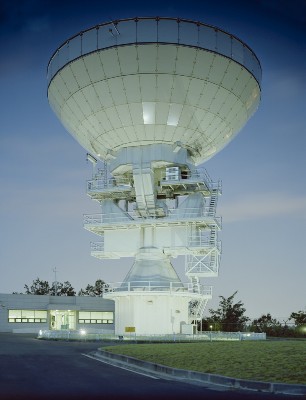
(268, 325)
(62, 289)
(95, 290)
(298, 317)
(40, 287)
(229, 317)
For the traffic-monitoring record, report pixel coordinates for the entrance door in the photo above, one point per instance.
(62, 319)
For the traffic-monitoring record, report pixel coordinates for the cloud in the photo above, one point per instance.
(264, 205)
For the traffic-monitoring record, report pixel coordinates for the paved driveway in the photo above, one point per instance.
(39, 369)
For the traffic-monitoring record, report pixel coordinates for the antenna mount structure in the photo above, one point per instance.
(153, 99)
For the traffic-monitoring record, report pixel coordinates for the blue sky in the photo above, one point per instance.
(44, 170)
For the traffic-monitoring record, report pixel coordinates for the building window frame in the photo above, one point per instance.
(96, 317)
(26, 316)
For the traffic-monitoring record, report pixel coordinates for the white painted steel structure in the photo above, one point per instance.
(154, 98)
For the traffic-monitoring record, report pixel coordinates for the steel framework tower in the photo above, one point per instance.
(155, 98)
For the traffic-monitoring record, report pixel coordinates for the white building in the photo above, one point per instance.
(22, 313)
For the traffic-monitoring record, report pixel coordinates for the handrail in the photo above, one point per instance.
(152, 286)
(99, 246)
(133, 216)
(197, 176)
(142, 30)
(123, 183)
(113, 183)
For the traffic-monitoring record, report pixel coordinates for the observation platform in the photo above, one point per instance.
(97, 223)
(151, 286)
(99, 250)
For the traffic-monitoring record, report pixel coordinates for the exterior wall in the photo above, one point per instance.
(150, 314)
(48, 303)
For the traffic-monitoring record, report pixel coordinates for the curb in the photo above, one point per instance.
(164, 371)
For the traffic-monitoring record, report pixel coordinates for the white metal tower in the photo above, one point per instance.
(155, 98)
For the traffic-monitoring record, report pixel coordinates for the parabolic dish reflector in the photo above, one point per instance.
(142, 81)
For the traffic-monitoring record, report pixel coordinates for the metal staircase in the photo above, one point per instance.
(196, 309)
(204, 258)
(213, 202)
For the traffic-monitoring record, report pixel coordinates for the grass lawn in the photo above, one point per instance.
(274, 361)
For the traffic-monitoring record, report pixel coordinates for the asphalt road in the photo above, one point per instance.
(35, 369)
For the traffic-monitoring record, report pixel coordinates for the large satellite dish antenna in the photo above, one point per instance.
(155, 97)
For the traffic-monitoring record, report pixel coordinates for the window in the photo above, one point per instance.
(27, 316)
(96, 317)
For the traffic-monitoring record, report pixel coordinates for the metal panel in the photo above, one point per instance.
(174, 115)
(195, 89)
(92, 98)
(137, 113)
(162, 134)
(162, 111)
(102, 89)
(224, 43)
(110, 63)
(147, 56)
(118, 136)
(117, 90)
(166, 59)
(208, 37)
(103, 121)
(187, 58)
(147, 87)
(103, 142)
(208, 94)
(127, 32)
(80, 73)
(82, 103)
(61, 90)
(132, 88)
(186, 116)
(127, 56)
(231, 76)
(62, 56)
(202, 65)
(113, 117)
(168, 31)
(146, 30)
(188, 34)
(105, 38)
(74, 48)
(164, 84)
(237, 51)
(124, 113)
(89, 41)
(94, 67)
(180, 88)
(248, 58)
(218, 69)
(241, 83)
